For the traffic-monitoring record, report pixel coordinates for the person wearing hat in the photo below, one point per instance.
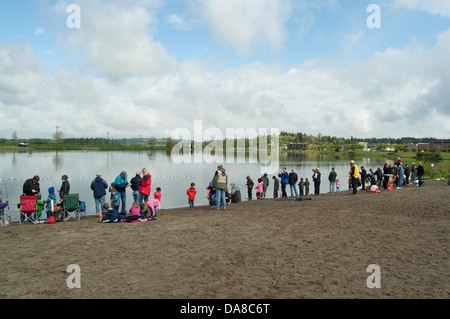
(121, 187)
(354, 175)
(65, 187)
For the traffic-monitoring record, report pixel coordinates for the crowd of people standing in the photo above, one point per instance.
(359, 178)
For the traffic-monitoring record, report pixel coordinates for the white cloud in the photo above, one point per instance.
(141, 90)
(38, 31)
(115, 40)
(246, 25)
(436, 7)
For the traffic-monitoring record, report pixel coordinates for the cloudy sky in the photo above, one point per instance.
(147, 67)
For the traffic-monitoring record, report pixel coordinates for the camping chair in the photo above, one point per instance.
(28, 209)
(70, 209)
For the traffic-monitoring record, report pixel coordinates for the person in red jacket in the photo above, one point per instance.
(144, 189)
(191, 192)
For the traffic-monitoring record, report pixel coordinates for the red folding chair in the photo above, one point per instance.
(28, 209)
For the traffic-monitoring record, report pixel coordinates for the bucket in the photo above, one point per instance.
(374, 189)
(389, 187)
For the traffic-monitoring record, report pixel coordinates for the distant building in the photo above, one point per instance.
(364, 145)
(23, 145)
(411, 147)
(423, 147)
(440, 147)
(298, 146)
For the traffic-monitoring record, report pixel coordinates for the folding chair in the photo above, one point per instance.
(28, 209)
(71, 209)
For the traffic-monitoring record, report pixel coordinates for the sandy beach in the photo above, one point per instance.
(266, 249)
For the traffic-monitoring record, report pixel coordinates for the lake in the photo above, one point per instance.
(174, 178)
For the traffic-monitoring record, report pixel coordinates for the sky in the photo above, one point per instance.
(147, 68)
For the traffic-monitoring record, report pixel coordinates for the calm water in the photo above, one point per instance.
(174, 179)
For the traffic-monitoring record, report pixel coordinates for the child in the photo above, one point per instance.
(115, 199)
(112, 216)
(259, 189)
(276, 186)
(144, 210)
(50, 204)
(157, 194)
(3, 205)
(306, 187)
(301, 185)
(338, 185)
(135, 210)
(191, 195)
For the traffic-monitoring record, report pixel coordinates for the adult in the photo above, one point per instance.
(31, 186)
(235, 194)
(65, 187)
(379, 175)
(354, 175)
(316, 179)
(420, 173)
(387, 171)
(293, 178)
(145, 188)
(121, 187)
(284, 179)
(363, 178)
(413, 172)
(407, 174)
(265, 181)
(220, 182)
(99, 186)
(249, 185)
(332, 179)
(135, 185)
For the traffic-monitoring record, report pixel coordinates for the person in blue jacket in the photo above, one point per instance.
(99, 186)
(284, 176)
(112, 216)
(121, 187)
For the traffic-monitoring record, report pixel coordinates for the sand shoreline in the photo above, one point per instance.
(266, 249)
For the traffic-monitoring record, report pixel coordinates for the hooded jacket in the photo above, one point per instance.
(99, 187)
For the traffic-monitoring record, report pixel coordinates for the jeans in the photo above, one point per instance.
(99, 204)
(191, 203)
(332, 187)
(142, 198)
(420, 179)
(123, 199)
(295, 190)
(220, 198)
(136, 196)
(400, 180)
